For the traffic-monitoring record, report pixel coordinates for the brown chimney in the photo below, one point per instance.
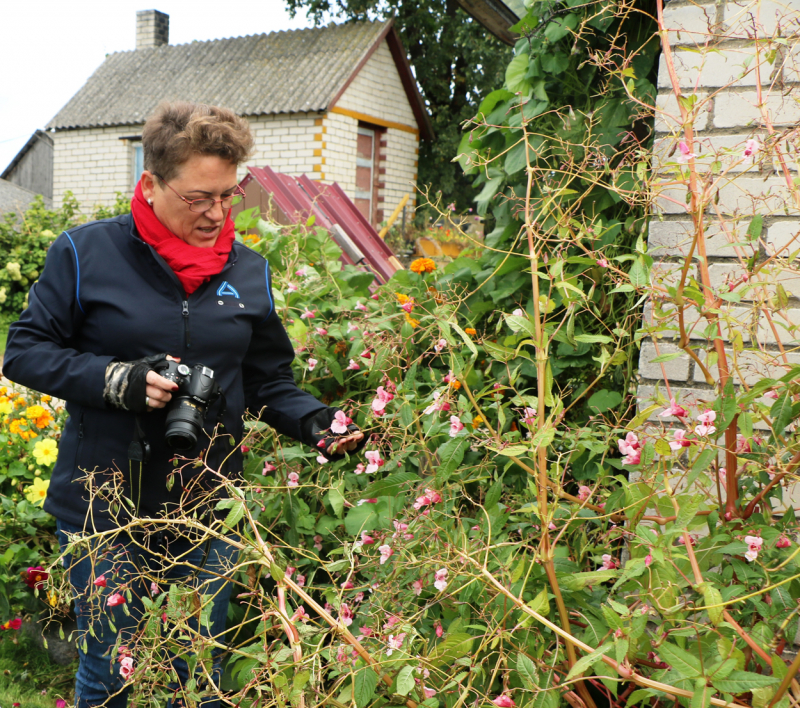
(152, 29)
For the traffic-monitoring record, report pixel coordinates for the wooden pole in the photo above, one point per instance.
(393, 217)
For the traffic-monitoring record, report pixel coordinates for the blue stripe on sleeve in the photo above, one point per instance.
(269, 290)
(78, 274)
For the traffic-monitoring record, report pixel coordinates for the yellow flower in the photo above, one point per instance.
(37, 492)
(46, 398)
(15, 426)
(411, 320)
(423, 265)
(6, 407)
(476, 421)
(45, 452)
(402, 299)
(34, 412)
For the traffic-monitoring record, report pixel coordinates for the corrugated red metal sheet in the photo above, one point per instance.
(296, 199)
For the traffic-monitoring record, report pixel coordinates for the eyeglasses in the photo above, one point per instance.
(200, 206)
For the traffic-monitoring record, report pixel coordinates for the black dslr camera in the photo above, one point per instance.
(197, 390)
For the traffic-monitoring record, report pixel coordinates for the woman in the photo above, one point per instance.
(116, 301)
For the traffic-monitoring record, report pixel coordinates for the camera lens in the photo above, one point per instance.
(184, 422)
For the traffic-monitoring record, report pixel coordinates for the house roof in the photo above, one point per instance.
(294, 71)
(37, 135)
(14, 198)
(496, 16)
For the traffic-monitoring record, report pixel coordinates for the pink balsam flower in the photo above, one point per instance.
(455, 425)
(360, 306)
(293, 479)
(308, 314)
(674, 409)
(353, 366)
(679, 440)
(686, 153)
(116, 599)
(375, 461)
(340, 423)
(504, 701)
(609, 563)
(312, 363)
(440, 579)
(386, 552)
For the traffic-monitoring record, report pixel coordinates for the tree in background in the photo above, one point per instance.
(456, 62)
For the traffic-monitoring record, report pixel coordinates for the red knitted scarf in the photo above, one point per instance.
(193, 266)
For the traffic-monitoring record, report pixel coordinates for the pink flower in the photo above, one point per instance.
(440, 579)
(707, 417)
(754, 544)
(291, 287)
(352, 327)
(302, 272)
(416, 587)
(452, 206)
(430, 497)
(382, 397)
(408, 305)
(245, 449)
(386, 552)
(60, 703)
(359, 468)
(391, 621)
(686, 154)
(340, 423)
(609, 563)
(783, 542)
(519, 312)
(629, 444)
(321, 331)
(318, 542)
(312, 363)
(115, 599)
(347, 584)
(300, 614)
(703, 430)
(584, 492)
(504, 701)
(359, 597)
(300, 580)
(429, 692)
(648, 559)
(529, 417)
(366, 501)
(441, 344)
(322, 460)
(294, 479)
(366, 539)
(375, 461)
(771, 394)
(742, 445)
(679, 440)
(395, 642)
(455, 425)
(602, 262)
(268, 467)
(154, 589)
(126, 667)
(308, 314)
(674, 409)
(751, 148)
(365, 631)
(345, 615)
(439, 404)
(439, 629)
(100, 581)
(367, 354)
(353, 366)
(360, 306)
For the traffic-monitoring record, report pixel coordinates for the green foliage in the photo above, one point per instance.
(24, 243)
(456, 63)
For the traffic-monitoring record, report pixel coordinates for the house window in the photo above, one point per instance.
(138, 161)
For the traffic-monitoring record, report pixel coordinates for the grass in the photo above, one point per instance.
(26, 671)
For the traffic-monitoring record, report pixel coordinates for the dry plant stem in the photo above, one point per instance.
(696, 211)
(541, 420)
(623, 671)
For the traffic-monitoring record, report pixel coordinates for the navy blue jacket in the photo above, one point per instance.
(105, 295)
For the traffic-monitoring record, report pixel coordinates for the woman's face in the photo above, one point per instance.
(200, 177)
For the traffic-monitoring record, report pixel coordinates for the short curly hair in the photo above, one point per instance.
(178, 130)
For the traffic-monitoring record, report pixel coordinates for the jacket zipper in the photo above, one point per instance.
(185, 313)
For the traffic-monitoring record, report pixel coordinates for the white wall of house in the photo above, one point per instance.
(93, 163)
(286, 143)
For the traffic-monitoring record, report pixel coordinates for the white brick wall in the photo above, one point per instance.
(94, 164)
(716, 59)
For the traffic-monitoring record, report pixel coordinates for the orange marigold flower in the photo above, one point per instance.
(470, 331)
(455, 384)
(423, 265)
(411, 320)
(476, 421)
(46, 398)
(34, 412)
(15, 426)
(44, 421)
(402, 299)
(20, 402)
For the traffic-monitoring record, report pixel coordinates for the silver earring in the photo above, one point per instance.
(150, 202)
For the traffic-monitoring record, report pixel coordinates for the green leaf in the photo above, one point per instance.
(743, 681)
(666, 357)
(543, 437)
(604, 400)
(712, 596)
(527, 671)
(688, 510)
(336, 498)
(701, 697)
(578, 581)
(586, 661)
(700, 465)
(517, 324)
(467, 339)
(540, 604)
(781, 413)
(336, 370)
(364, 686)
(639, 274)
(755, 226)
(515, 73)
(451, 455)
(235, 514)
(453, 647)
(390, 486)
(593, 338)
(405, 681)
(360, 518)
(276, 572)
(686, 664)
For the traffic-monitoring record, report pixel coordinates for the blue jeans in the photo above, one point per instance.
(121, 561)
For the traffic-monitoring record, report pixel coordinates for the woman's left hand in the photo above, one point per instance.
(345, 443)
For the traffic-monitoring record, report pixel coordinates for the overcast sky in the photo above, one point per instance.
(49, 49)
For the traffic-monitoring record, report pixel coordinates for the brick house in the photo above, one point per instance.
(338, 103)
